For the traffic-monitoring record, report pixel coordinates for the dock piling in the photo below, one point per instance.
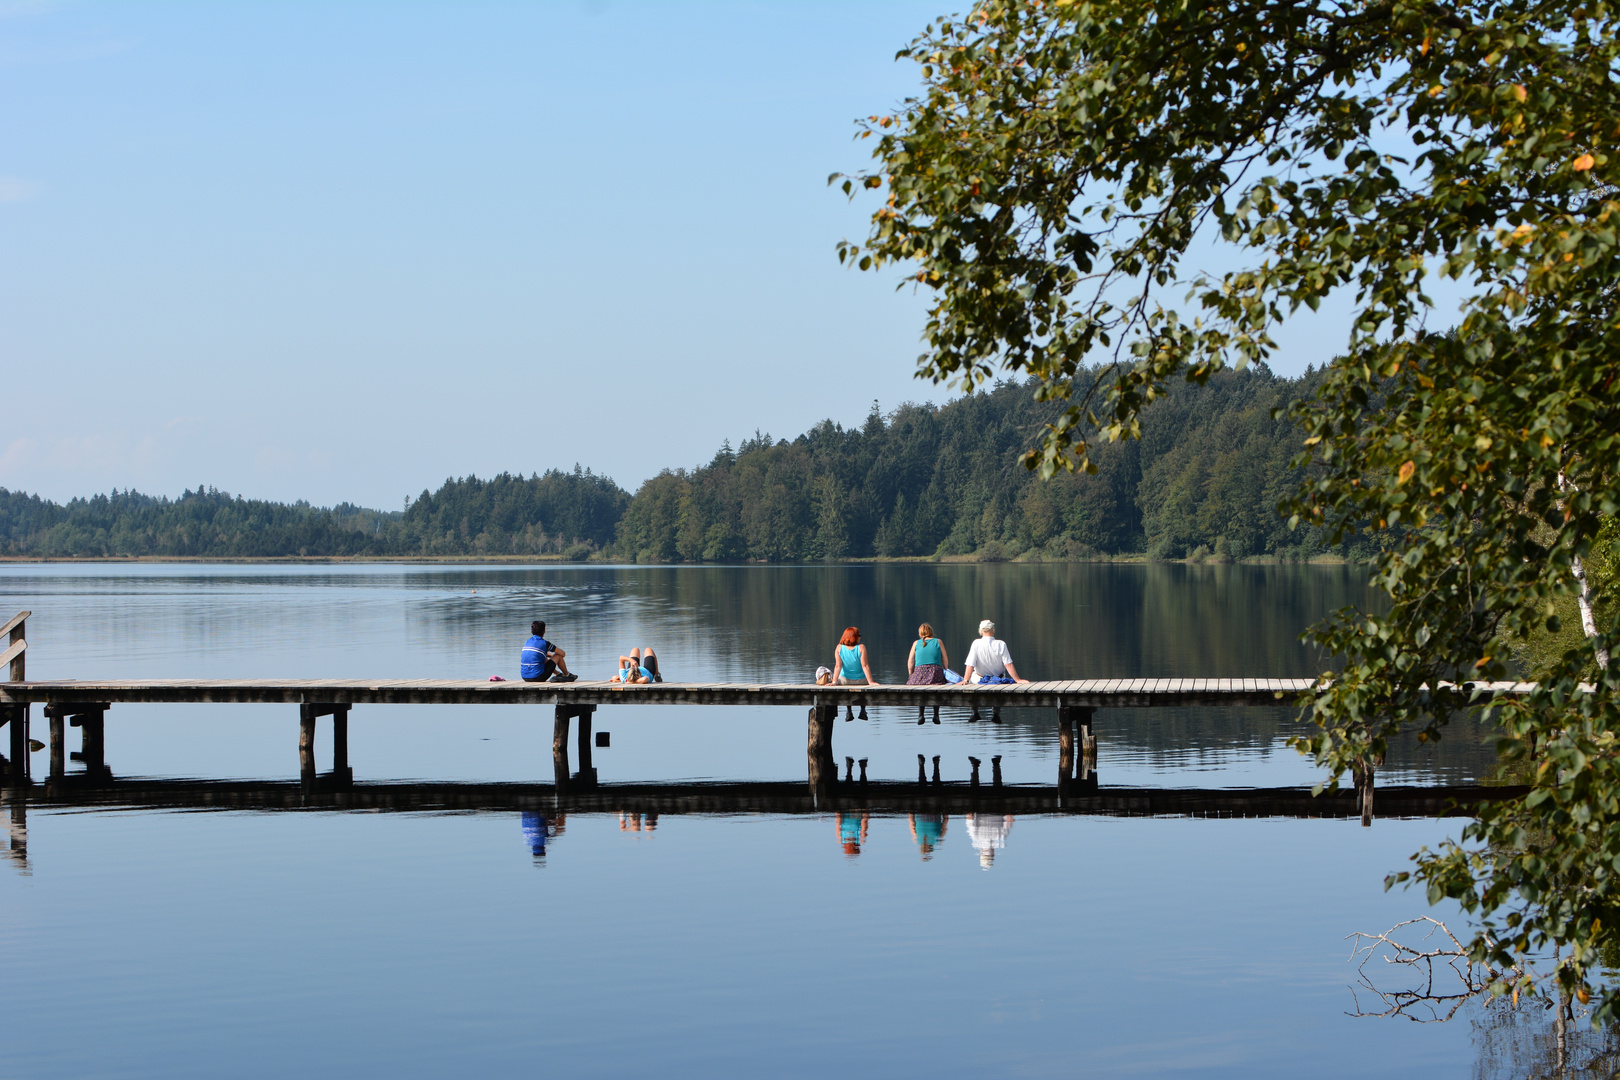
(822, 766)
(58, 745)
(308, 713)
(16, 718)
(559, 746)
(1065, 747)
(587, 771)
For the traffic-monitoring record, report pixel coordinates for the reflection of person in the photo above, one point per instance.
(534, 830)
(987, 832)
(929, 832)
(542, 660)
(632, 822)
(988, 661)
(637, 668)
(852, 831)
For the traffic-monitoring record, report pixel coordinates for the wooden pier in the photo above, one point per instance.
(85, 704)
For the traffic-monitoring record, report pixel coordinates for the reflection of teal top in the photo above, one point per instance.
(930, 828)
(929, 652)
(849, 827)
(851, 656)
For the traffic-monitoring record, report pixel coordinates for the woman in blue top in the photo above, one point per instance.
(927, 664)
(851, 667)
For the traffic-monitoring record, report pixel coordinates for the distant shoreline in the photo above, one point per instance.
(559, 560)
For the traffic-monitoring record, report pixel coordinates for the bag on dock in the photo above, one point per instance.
(951, 676)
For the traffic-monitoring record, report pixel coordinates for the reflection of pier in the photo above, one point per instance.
(786, 797)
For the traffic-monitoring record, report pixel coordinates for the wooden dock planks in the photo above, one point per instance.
(1084, 693)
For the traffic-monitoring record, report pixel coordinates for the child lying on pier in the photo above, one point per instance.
(638, 667)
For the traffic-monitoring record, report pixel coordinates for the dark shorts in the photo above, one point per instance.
(545, 672)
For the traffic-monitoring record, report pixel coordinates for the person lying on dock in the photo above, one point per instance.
(543, 661)
(638, 668)
(988, 661)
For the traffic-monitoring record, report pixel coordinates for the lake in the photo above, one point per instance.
(169, 941)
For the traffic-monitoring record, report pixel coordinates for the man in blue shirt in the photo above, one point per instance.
(542, 661)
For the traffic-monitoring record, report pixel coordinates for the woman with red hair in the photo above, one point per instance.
(851, 666)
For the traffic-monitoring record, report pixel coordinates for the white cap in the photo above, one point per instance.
(986, 624)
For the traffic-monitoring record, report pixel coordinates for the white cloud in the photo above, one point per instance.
(13, 189)
(17, 455)
(22, 9)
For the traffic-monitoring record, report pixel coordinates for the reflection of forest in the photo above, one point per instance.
(1061, 620)
(1529, 1043)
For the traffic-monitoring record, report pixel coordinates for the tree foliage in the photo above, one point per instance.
(1065, 165)
(557, 513)
(1203, 479)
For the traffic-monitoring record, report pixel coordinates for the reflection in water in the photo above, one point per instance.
(636, 822)
(1537, 1041)
(537, 829)
(207, 913)
(988, 832)
(733, 624)
(929, 832)
(17, 824)
(852, 831)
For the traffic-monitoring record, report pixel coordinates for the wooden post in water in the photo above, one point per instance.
(1364, 793)
(587, 771)
(1087, 776)
(94, 754)
(17, 718)
(306, 743)
(813, 743)
(559, 747)
(340, 744)
(823, 767)
(1065, 749)
(58, 744)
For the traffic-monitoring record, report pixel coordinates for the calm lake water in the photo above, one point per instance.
(163, 942)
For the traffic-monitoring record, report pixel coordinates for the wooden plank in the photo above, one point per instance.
(14, 620)
(1099, 692)
(15, 650)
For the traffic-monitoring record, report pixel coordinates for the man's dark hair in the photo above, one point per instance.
(537, 628)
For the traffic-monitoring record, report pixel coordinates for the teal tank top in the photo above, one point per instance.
(851, 656)
(929, 652)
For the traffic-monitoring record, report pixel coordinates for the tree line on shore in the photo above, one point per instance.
(1203, 481)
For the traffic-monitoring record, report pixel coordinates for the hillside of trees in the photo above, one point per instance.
(557, 513)
(1203, 481)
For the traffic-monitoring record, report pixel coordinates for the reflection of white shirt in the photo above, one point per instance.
(989, 656)
(989, 830)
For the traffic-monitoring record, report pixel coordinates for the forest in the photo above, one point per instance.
(1203, 482)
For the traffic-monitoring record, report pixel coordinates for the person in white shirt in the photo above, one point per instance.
(988, 658)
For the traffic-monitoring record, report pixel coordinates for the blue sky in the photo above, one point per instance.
(343, 251)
